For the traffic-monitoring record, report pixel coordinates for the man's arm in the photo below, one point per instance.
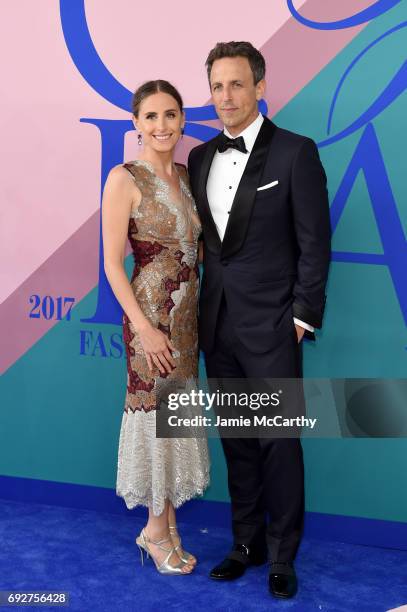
(313, 232)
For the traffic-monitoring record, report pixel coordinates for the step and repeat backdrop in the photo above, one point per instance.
(335, 72)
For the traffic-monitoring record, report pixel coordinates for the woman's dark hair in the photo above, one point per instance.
(152, 87)
(238, 49)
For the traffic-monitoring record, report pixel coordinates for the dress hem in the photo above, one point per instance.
(176, 499)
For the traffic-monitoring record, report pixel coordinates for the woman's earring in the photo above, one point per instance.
(182, 132)
(139, 139)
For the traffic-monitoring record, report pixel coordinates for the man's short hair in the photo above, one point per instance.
(238, 49)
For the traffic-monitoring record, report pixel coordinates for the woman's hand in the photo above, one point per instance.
(157, 348)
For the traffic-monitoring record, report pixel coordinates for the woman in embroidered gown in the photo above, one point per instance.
(149, 202)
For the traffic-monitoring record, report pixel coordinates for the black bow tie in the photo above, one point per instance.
(225, 143)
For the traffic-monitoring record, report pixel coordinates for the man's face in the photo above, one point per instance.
(234, 93)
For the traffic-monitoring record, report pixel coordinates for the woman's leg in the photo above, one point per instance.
(172, 522)
(157, 529)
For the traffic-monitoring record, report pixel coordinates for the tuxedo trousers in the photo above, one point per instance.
(265, 475)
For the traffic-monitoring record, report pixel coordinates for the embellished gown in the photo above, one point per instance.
(164, 238)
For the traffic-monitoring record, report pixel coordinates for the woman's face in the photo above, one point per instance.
(160, 121)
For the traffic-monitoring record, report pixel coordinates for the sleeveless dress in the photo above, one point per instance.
(165, 281)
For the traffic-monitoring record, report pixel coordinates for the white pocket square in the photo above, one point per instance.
(267, 186)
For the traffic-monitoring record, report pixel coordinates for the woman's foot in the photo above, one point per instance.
(159, 545)
(183, 554)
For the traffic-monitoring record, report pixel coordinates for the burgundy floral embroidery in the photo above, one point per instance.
(134, 381)
(127, 335)
(145, 408)
(173, 285)
(136, 384)
(145, 252)
(168, 305)
(183, 276)
(133, 229)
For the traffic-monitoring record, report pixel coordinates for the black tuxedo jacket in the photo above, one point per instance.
(273, 262)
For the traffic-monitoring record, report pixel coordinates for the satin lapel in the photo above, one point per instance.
(211, 235)
(242, 206)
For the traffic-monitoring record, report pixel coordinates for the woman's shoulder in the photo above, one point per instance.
(121, 170)
(136, 171)
(120, 174)
(125, 180)
(137, 166)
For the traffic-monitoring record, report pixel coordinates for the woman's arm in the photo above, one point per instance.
(119, 196)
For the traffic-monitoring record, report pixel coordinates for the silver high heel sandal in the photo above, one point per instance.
(165, 567)
(186, 557)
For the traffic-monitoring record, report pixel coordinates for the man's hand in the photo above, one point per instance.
(300, 332)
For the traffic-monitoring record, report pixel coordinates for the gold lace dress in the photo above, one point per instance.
(164, 238)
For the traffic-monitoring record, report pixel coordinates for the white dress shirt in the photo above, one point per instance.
(224, 177)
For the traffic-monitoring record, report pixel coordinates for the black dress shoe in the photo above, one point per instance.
(236, 563)
(282, 580)
(228, 569)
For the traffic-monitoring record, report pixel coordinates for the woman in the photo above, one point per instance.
(149, 201)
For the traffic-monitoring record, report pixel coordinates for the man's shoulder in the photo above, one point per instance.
(198, 151)
(291, 139)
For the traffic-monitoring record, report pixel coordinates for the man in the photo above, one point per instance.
(262, 199)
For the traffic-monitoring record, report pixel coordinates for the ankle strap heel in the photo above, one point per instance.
(165, 566)
(185, 556)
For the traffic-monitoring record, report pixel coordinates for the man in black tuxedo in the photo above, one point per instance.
(262, 199)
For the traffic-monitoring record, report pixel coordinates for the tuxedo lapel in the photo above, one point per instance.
(243, 202)
(212, 240)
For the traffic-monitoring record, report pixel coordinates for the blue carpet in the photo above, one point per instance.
(92, 555)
